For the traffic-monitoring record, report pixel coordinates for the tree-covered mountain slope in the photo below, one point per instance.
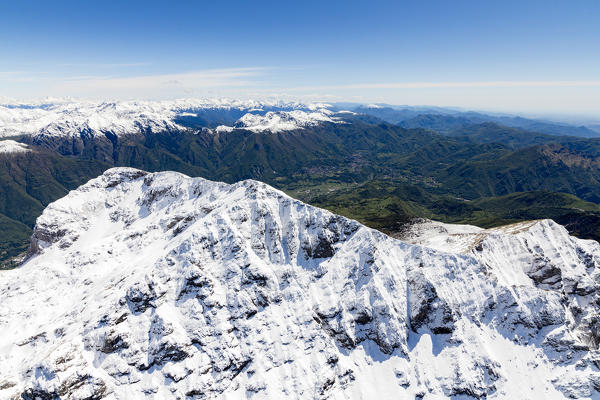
(447, 120)
(321, 156)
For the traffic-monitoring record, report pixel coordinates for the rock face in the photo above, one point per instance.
(162, 286)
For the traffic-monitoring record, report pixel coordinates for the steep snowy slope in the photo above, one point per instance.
(163, 286)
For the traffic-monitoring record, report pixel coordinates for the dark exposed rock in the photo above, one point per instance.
(113, 342)
(7, 385)
(331, 324)
(123, 176)
(254, 277)
(545, 274)
(93, 384)
(426, 308)
(38, 394)
(151, 195)
(40, 337)
(586, 258)
(323, 249)
(577, 287)
(95, 388)
(325, 386)
(590, 332)
(168, 352)
(363, 317)
(184, 224)
(196, 393)
(42, 237)
(140, 297)
(197, 285)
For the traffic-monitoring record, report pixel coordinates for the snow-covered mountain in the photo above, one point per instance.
(73, 118)
(279, 121)
(162, 286)
(10, 146)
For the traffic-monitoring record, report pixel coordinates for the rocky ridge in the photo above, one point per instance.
(158, 285)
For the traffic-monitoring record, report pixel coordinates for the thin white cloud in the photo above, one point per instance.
(481, 84)
(207, 78)
(580, 96)
(10, 73)
(104, 65)
(21, 76)
(158, 85)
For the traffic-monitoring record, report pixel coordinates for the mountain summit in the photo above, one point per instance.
(158, 285)
(71, 119)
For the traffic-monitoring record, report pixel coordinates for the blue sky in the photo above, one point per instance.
(530, 56)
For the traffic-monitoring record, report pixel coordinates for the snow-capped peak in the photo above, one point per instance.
(71, 118)
(158, 285)
(10, 146)
(280, 121)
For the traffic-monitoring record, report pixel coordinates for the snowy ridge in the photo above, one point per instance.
(281, 121)
(72, 119)
(162, 286)
(10, 146)
(67, 118)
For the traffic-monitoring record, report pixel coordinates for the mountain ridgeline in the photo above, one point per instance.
(178, 287)
(444, 120)
(379, 172)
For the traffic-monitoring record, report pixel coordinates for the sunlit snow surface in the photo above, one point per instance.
(73, 118)
(162, 286)
(10, 146)
(281, 121)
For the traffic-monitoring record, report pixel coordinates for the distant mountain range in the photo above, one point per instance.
(71, 119)
(354, 162)
(444, 120)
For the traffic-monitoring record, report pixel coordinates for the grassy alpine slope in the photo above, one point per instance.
(387, 205)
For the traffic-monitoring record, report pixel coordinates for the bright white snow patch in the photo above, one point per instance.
(318, 106)
(224, 129)
(281, 121)
(10, 146)
(440, 236)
